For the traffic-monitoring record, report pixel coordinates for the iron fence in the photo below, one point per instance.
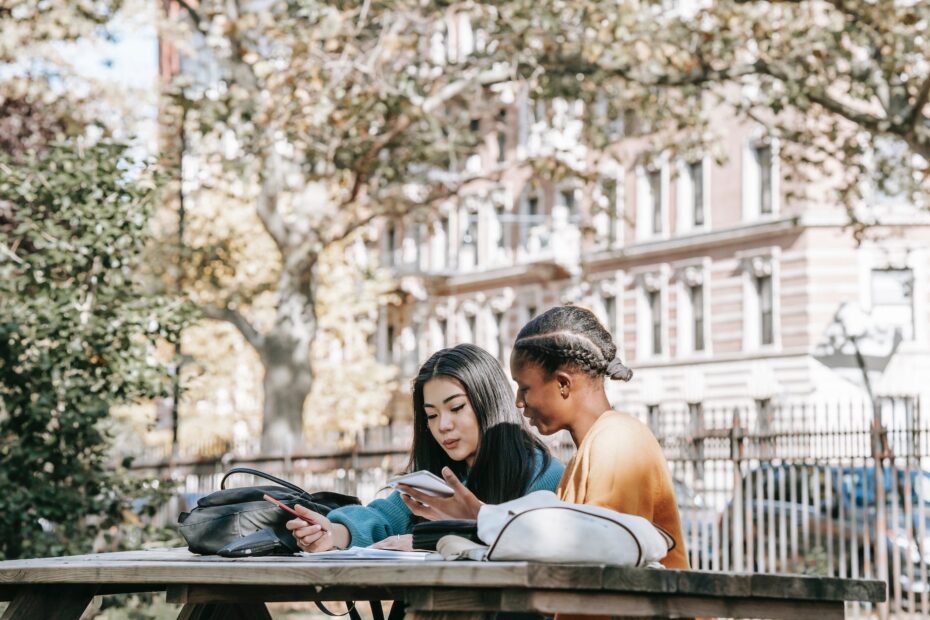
(786, 488)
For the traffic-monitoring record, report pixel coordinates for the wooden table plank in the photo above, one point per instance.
(161, 568)
(269, 573)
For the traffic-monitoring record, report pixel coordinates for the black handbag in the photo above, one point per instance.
(239, 523)
(427, 533)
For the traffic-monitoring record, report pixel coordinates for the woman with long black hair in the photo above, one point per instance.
(466, 428)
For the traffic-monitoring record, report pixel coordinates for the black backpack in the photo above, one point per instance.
(239, 523)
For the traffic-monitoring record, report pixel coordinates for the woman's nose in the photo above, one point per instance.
(445, 422)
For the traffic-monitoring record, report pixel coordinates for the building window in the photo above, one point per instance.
(413, 361)
(763, 159)
(445, 243)
(530, 217)
(389, 345)
(613, 228)
(697, 317)
(654, 178)
(469, 252)
(502, 136)
(443, 332)
(501, 340)
(696, 177)
(766, 309)
(654, 301)
(760, 300)
(532, 207)
(392, 243)
(893, 300)
(652, 418)
(610, 312)
(472, 321)
(530, 313)
(503, 225)
(567, 200)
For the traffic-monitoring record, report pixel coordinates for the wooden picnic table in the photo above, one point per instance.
(214, 587)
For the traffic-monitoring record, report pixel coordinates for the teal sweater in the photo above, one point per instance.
(389, 516)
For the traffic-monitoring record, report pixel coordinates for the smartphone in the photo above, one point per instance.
(287, 508)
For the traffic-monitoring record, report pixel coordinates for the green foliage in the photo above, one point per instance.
(77, 336)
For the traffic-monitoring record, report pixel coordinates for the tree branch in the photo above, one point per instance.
(867, 121)
(703, 75)
(267, 201)
(193, 14)
(248, 331)
(917, 108)
(426, 107)
(431, 199)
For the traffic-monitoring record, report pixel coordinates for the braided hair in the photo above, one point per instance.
(570, 336)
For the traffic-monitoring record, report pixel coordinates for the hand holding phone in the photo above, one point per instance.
(287, 508)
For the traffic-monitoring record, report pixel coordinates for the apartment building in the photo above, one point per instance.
(717, 286)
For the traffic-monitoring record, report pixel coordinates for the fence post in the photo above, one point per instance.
(881, 547)
(736, 524)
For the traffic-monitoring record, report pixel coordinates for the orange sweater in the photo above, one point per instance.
(620, 466)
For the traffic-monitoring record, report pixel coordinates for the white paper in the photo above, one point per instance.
(427, 482)
(367, 553)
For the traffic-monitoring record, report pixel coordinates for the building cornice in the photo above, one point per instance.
(511, 275)
(661, 249)
(720, 358)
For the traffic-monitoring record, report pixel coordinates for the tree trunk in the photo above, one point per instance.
(287, 383)
(285, 354)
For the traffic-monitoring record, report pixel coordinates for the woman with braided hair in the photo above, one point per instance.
(559, 362)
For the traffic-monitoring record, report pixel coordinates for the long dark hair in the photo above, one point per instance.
(504, 465)
(570, 336)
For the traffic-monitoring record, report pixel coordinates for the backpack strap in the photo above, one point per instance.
(352, 612)
(260, 474)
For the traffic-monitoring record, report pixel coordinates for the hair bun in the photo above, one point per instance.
(617, 371)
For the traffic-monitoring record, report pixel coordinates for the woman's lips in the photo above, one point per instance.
(450, 443)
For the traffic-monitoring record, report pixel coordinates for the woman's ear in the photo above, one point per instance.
(565, 383)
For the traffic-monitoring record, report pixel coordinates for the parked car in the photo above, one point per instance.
(836, 506)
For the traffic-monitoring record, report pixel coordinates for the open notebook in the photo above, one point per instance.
(366, 553)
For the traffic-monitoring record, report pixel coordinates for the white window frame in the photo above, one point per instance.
(602, 220)
(689, 274)
(644, 211)
(752, 207)
(756, 263)
(918, 261)
(684, 198)
(648, 281)
(610, 287)
(470, 208)
(569, 187)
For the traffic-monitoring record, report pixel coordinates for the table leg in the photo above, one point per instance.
(64, 602)
(224, 611)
